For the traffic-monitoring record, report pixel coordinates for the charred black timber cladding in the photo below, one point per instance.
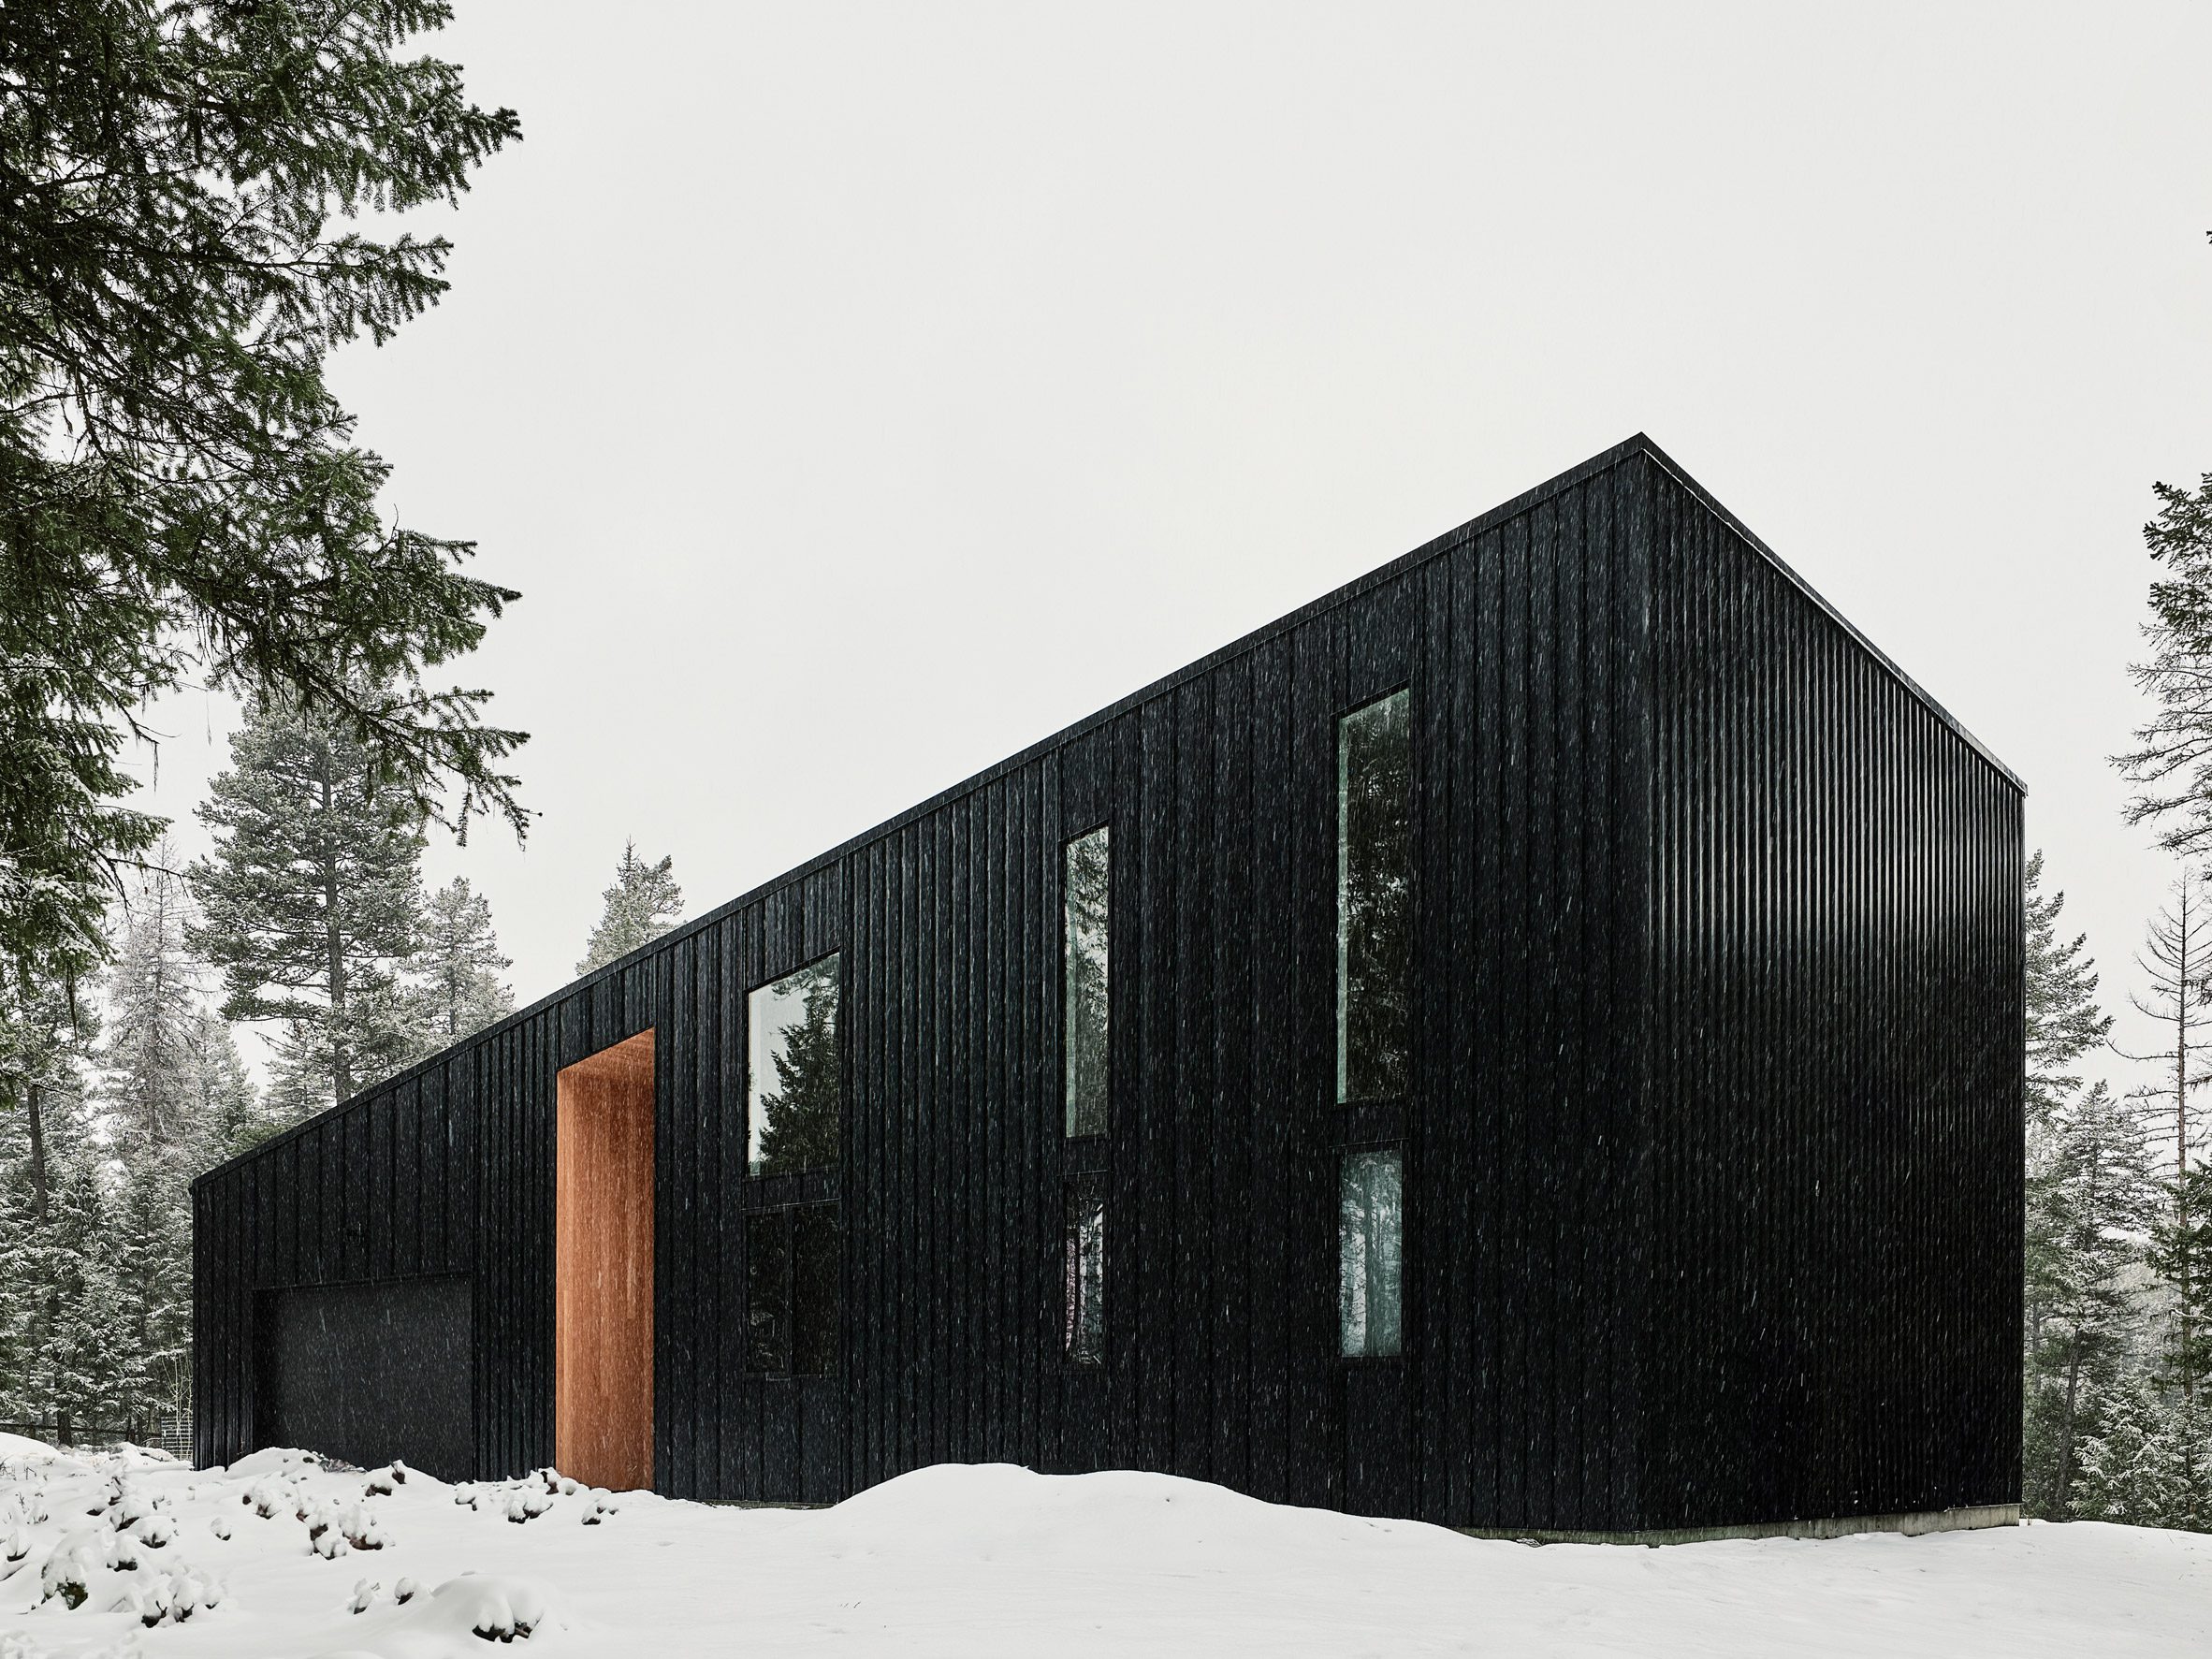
(1711, 1146)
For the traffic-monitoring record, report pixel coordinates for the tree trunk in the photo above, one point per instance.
(2066, 1439)
(342, 1065)
(38, 1178)
(2182, 1142)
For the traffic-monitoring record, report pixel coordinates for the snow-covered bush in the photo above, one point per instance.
(361, 1529)
(75, 1564)
(156, 1531)
(496, 1609)
(383, 1482)
(527, 1503)
(168, 1597)
(131, 1506)
(265, 1498)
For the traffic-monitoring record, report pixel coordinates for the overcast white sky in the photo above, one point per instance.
(859, 394)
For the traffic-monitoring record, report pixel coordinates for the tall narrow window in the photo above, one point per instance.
(814, 1289)
(790, 1290)
(1374, 897)
(768, 1291)
(792, 1071)
(1369, 1257)
(1086, 875)
(1083, 1270)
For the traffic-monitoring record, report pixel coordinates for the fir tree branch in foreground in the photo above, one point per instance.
(180, 488)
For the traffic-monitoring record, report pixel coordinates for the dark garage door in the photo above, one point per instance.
(368, 1373)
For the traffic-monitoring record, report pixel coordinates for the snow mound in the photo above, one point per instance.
(274, 1460)
(1145, 1523)
(456, 1620)
(22, 1445)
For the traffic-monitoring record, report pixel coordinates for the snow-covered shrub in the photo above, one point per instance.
(496, 1610)
(364, 1592)
(131, 1505)
(603, 1506)
(384, 1481)
(169, 1597)
(526, 1503)
(265, 1498)
(157, 1531)
(76, 1563)
(220, 1526)
(403, 1592)
(362, 1530)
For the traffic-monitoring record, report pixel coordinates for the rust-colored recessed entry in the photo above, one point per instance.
(603, 1284)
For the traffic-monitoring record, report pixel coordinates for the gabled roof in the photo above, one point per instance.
(1638, 444)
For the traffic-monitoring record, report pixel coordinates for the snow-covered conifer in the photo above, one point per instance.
(458, 967)
(312, 897)
(2087, 1206)
(643, 904)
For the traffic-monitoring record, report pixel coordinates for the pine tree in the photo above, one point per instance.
(225, 1099)
(176, 1100)
(2133, 1470)
(75, 1380)
(643, 904)
(2066, 1322)
(2177, 962)
(459, 965)
(2174, 762)
(187, 235)
(148, 1254)
(2181, 1255)
(2087, 1208)
(2064, 1019)
(155, 1136)
(312, 899)
(20, 1296)
(47, 1031)
(2182, 1252)
(153, 1011)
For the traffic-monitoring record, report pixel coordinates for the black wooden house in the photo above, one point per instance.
(1532, 1040)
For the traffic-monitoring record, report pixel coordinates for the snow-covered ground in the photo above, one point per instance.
(268, 1558)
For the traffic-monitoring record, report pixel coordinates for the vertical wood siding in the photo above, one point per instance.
(1679, 1115)
(1836, 1091)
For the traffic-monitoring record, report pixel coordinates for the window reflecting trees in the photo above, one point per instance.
(1369, 1253)
(792, 1073)
(1083, 1270)
(1086, 878)
(1374, 897)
